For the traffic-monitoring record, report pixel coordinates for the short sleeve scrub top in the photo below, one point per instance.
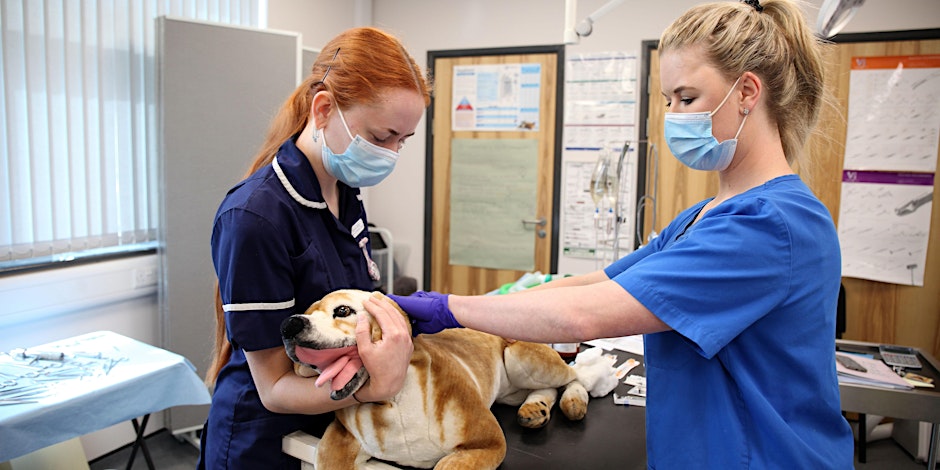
(746, 378)
(277, 248)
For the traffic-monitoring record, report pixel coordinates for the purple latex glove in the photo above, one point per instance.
(428, 311)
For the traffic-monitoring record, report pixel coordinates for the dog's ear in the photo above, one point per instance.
(312, 308)
(388, 299)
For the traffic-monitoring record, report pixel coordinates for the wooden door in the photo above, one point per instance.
(479, 175)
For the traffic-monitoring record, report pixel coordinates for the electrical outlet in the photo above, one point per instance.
(145, 277)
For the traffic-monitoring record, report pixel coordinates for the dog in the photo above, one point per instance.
(441, 418)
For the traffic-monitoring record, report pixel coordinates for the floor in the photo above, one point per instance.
(167, 453)
(170, 454)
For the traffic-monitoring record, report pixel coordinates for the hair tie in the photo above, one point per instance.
(754, 3)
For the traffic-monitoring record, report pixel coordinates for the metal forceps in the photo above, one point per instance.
(15, 392)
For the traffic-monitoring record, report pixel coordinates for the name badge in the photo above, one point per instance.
(357, 228)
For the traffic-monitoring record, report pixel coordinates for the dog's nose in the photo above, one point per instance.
(291, 326)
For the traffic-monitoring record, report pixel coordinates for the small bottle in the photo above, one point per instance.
(567, 351)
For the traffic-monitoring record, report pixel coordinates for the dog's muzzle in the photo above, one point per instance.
(291, 327)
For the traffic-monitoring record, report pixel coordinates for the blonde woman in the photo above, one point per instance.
(737, 296)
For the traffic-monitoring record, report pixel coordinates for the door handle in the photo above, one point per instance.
(539, 222)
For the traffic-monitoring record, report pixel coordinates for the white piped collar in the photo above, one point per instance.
(293, 192)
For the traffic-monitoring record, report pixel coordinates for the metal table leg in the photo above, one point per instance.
(862, 438)
(140, 443)
(932, 455)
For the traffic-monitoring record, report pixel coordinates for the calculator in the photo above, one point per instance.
(900, 356)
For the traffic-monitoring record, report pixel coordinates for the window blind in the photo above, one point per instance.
(78, 162)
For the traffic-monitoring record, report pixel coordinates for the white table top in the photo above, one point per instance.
(103, 379)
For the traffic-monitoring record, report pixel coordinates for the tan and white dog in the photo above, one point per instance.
(441, 418)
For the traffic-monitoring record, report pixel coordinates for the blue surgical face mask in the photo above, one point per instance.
(689, 137)
(361, 164)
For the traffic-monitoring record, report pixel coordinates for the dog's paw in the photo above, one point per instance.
(534, 414)
(574, 401)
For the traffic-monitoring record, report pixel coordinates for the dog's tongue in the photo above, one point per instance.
(337, 364)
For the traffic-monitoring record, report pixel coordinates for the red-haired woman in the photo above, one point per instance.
(295, 229)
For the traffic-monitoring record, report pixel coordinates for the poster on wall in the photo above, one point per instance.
(587, 226)
(600, 117)
(498, 97)
(884, 224)
(892, 141)
(600, 99)
(894, 114)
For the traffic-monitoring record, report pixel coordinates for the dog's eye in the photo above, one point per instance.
(342, 311)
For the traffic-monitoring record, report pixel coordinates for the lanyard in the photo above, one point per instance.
(373, 268)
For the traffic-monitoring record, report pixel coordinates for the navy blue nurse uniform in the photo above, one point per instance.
(277, 248)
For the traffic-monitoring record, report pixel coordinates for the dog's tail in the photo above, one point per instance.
(222, 351)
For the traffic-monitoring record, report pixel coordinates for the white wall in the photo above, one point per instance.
(317, 20)
(44, 306)
(118, 295)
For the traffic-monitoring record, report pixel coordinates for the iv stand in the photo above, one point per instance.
(649, 197)
(618, 205)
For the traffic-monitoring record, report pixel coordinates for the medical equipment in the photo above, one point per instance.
(575, 31)
(834, 15)
(649, 199)
(605, 190)
(39, 355)
(383, 258)
(28, 375)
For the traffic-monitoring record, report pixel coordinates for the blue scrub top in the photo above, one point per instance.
(277, 249)
(746, 378)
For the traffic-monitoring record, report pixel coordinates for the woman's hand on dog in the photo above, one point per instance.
(386, 359)
(429, 312)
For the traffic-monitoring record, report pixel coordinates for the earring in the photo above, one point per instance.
(747, 111)
(316, 135)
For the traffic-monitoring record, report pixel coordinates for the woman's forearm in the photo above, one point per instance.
(561, 314)
(295, 394)
(283, 391)
(572, 281)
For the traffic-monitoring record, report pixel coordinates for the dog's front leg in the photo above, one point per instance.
(537, 408)
(339, 449)
(574, 401)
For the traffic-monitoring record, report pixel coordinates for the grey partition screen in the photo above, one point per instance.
(308, 57)
(218, 88)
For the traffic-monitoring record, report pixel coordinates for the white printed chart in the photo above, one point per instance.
(884, 224)
(501, 97)
(894, 114)
(890, 160)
